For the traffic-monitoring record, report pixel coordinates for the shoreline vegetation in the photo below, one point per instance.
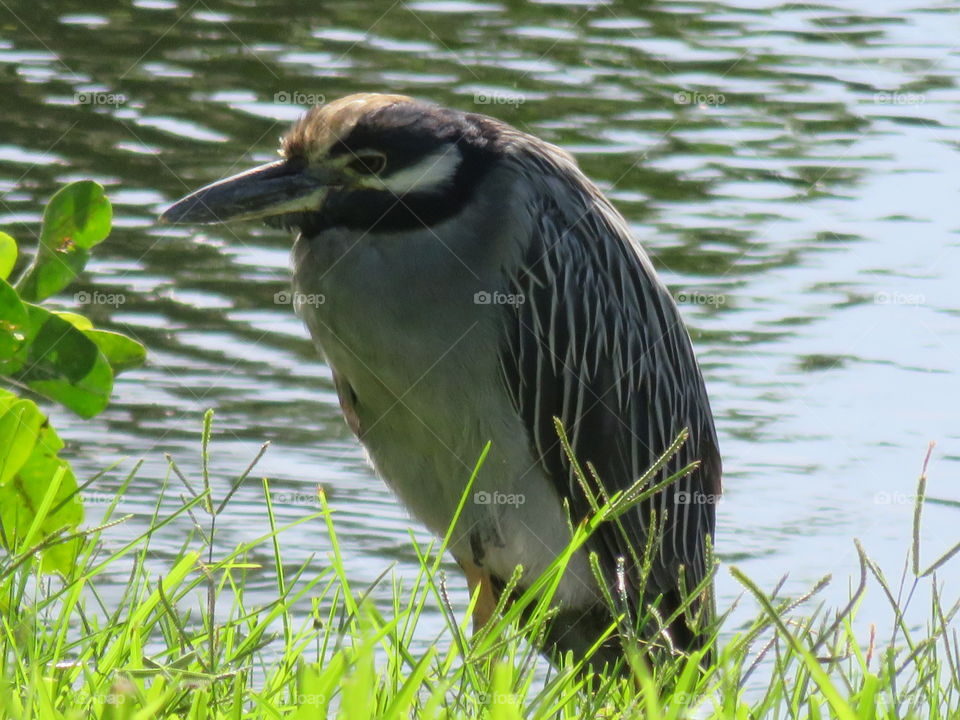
(185, 642)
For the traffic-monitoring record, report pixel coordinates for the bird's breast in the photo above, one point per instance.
(411, 325)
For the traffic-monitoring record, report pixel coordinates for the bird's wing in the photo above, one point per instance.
(596, 340)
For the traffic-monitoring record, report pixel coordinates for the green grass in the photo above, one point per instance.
(187, 641)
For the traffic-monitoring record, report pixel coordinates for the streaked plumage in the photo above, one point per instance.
(411, 215)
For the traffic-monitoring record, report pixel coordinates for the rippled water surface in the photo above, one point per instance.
(793, 169)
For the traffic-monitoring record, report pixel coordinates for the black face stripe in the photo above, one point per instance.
(402, 150)
(383, 210)
(406, 133)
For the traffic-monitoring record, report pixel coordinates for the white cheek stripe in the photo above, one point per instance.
(431, 173)
(304, 203)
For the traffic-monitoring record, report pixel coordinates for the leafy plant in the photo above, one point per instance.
(56, 354)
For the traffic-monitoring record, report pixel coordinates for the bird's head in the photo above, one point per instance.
(362, 161)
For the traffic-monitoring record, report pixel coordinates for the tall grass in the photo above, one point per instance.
(188, 642)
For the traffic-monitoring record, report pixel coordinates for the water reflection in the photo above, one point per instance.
(791, 168)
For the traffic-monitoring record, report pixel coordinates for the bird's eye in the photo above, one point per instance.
(370, 163)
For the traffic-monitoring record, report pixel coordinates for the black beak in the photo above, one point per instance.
(278, 188)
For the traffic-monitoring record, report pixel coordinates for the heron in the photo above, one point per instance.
(469, 287)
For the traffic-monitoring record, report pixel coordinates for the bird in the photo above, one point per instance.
(470, 288)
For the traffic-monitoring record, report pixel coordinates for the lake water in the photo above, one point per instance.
(792, 169)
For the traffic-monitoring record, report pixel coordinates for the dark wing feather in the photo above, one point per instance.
(599, 343)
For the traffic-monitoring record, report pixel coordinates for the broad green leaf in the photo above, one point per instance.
(80, 322)
(76, 218)
(8, 255)
(122, 352)
(79, 214)
(13, 323)
(23, 496)
(20, 422)
(64, 364)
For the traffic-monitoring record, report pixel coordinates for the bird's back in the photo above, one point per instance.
(600, 345)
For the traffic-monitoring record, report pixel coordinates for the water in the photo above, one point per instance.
(792, 169)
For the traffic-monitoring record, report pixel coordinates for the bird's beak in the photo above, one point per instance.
(278, 188)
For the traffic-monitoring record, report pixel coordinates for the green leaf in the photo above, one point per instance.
(8, 255)
(13, 322)
(64, 364)
(24, 505)
(76, 218)
(80, 322)
(20, 422)
(122, 352)
(502, 702)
